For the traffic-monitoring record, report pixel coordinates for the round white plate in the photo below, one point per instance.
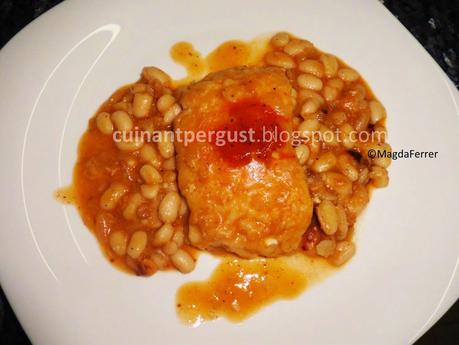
(55, 73)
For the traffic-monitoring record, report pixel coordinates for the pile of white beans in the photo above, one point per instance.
(331, 96)
(159, 245)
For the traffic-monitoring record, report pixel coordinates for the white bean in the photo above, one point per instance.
(280, 59)
(166, 144)
(165, 102)
(118, 242)
(153, 73)
(150, 175)
(377, 112)
(280, 39)
(169, 207)
(149, 191)
(104, 124)
(137, 244)
(142, 104)
(328, 219)
(122, 121)
(172, 113)
(296, 46)
(348, 74)
(149, 154)
(183, 261)
(131, 209)
(163, 235)
(308, 81)
(302, 153)
(112, 195)
(330, 64)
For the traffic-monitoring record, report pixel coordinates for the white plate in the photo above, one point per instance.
(56, 72)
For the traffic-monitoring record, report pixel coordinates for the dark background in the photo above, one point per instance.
(435, 23)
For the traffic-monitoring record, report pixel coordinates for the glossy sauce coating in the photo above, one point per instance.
(230, 188)
(252, 132)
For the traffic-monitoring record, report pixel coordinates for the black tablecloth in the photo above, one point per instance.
(434, 23)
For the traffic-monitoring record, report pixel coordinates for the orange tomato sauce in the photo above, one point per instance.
(229, 54)
(252, 132)
(237, 288)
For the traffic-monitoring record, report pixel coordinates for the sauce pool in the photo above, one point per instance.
(229, 54)
(183, 53)
(238, 287)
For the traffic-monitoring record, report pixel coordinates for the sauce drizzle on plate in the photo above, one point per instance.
(238, 288)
